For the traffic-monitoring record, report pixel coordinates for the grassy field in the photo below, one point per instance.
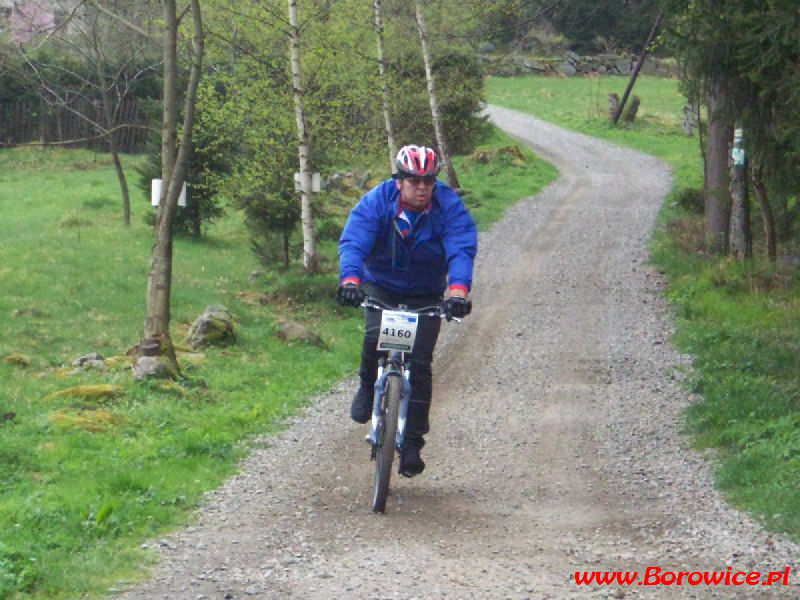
(86, 480)
(741, 322)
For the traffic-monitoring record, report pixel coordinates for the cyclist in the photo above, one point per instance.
(407, 241)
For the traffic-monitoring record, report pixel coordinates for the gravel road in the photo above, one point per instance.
(556, 441)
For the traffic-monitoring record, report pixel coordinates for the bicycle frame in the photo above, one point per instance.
(394, 364)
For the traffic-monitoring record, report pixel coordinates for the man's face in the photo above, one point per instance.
(416, 191)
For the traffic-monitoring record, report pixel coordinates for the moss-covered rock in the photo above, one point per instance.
(172, 387)
(511, 153)
(18, 359)
(290, 332)
(213, 328)
(118, 362)
(97, 393)
(91, 420)
(157, 367)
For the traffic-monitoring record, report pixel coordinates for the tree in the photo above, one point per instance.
(252, 109)
(453, 63)
(700, 34)
(604, 25)
(306, 216)
(717, 199)
(766, 214)
(340, 111)
(742, 57)
(210, 162)
(90, 66)
(157, 342)
(741, 241)
(637, 68)
(767, 56)
(264, 159)
(436, 116)
(387, 117)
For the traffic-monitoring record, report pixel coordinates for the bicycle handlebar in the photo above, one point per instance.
(433, 310)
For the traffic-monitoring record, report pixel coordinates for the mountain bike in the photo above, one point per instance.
(393, 388)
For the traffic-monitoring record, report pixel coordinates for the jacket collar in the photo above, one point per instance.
(402, 207)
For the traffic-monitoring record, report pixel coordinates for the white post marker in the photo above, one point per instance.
(316, 182)
(155, 193)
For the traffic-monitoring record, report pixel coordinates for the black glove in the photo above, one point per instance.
(457, 307)
(350, 294)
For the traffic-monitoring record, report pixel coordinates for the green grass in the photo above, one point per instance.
(488, 186)
(84, 483)
(740, 322)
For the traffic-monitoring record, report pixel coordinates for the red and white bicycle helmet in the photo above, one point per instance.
(417, 161)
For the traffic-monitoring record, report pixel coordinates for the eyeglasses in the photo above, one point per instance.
(418, 181)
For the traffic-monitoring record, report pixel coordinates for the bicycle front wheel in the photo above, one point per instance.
(387, 440)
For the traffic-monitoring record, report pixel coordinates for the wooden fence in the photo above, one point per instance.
(31, 121)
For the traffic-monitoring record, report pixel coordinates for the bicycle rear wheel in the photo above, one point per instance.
(387, 440)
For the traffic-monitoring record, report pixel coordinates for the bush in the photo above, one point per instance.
(329, 229)
(202, 205)
(459, 91)
(691, 200)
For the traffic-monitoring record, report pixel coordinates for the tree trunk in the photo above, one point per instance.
(123, 182)
(108, 114)
(157, 341)
(717, 184)
(741, 241)
(306, 214)
(384, 86)
(452, 179)
(766, 215)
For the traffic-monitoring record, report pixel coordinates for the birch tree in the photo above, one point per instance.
(441, 140)
(306, 214)
(156, 353)
(387, 117)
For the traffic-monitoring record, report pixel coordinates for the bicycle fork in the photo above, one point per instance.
(397, 369)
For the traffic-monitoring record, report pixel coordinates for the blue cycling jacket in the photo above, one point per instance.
(379, 244)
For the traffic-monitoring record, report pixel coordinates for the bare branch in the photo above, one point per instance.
(120, 18)
(186, 9)
(105, 133)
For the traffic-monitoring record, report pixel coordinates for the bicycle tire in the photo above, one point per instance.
(387, 440)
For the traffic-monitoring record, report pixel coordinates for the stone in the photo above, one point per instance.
(18, 359)
(158, 367)
(81, 361)
(213, 327)
(290, 331)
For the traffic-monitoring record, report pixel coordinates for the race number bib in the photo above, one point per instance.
(398, 330)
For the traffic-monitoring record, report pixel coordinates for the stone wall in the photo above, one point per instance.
(573, 64)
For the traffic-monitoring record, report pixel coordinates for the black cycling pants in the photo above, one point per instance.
(417, 424)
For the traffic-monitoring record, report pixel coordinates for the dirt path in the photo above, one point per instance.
(555, 448)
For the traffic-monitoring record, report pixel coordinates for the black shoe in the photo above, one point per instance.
(361, 408)
(410, 462)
